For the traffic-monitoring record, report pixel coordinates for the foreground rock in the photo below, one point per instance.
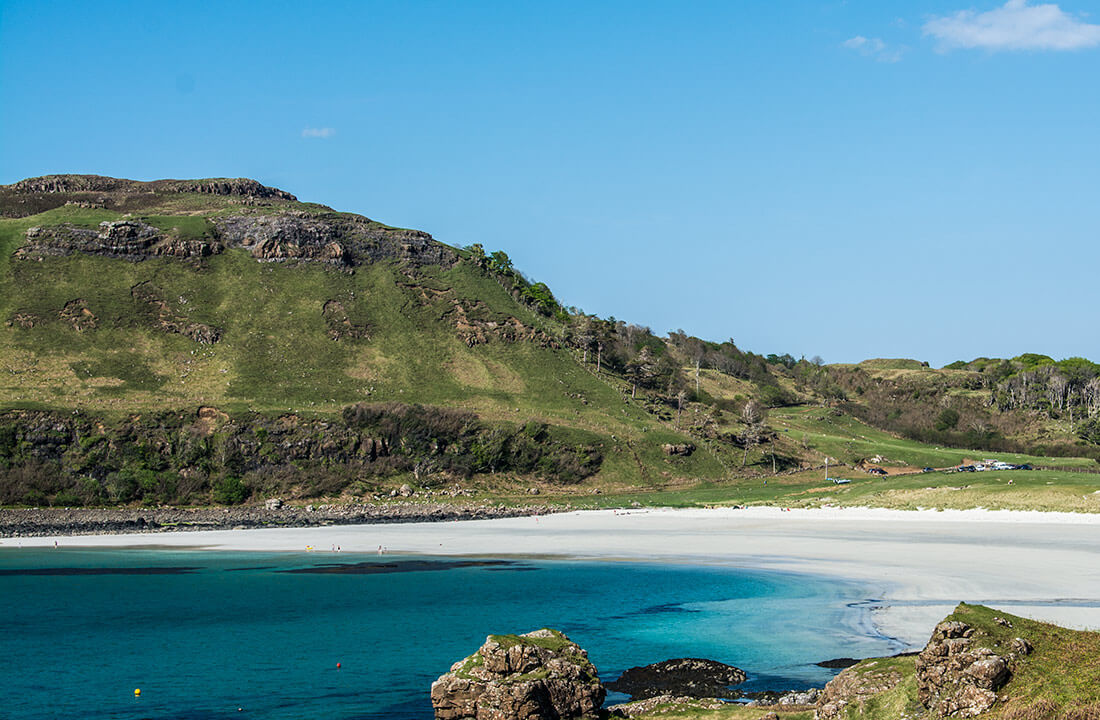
(541, 675)
(854, 688)
(654, 704)
(690, 677)
(955, 678)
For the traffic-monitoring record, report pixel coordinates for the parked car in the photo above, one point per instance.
(1025, 466)
(967, 468)
(928, 469)
(876, 471)
(840, 481)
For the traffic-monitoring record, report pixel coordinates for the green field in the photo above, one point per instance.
(832, 433)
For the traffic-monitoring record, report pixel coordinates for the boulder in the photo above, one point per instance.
(541, 675)
(854, 687)
(662, 703)
(795, 697)
(955, 678)
(684, 449)
(691, 677)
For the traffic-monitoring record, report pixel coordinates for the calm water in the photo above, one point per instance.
(205, 633)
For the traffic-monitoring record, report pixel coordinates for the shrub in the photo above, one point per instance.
(947, 419)
(230, 491)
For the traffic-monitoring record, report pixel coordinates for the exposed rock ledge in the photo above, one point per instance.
(333, 239)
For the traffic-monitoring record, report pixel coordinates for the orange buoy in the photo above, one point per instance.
(337, 666)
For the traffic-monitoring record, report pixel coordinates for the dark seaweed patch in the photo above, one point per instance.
(381, 568)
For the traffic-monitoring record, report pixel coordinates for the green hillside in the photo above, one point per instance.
(189, 341)
(123, 333)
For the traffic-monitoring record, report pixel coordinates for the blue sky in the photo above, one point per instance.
(845, 179)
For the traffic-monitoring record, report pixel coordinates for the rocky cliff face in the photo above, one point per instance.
(954, 677)
(267, 237)
(123, 239)
(541, 675)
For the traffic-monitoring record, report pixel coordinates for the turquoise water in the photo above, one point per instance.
(205, 633)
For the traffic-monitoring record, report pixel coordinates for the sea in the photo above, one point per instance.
(206, 635)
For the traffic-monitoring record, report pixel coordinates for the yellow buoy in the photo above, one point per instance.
(137, 692)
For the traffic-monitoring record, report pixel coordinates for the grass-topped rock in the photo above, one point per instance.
(541, 675)
(978, 663)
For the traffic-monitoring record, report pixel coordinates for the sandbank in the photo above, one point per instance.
(917, 565)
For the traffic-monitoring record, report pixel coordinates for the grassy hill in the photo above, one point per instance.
(123, 333)
(197, 340)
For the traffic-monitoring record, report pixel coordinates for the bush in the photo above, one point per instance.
(947, 420)
(230, 491)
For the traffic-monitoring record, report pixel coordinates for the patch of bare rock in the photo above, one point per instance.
(541, 675)
(955, 678)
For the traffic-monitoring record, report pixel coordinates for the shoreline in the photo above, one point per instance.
(922, 563)
(72, 522)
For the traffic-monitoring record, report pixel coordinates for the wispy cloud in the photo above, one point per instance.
(323, 133)
(874, 48)
(1015, 26)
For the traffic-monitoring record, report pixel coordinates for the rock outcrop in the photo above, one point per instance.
(265, 221)
(124, 239)
(331, 238)
(541, 675)
(691, 677)
(955, 678)
(66, 184)
(855, 687)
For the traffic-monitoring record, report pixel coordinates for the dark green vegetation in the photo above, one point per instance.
(217, 340)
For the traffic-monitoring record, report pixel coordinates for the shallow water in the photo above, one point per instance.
(205, 633)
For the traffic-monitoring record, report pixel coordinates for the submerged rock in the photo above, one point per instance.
(692, 677)
(541, 675)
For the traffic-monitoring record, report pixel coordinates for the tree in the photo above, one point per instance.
(681, 397)
(500, 262)
(753, 416)
(585, 335)
(947, 419)
(477, 254)
(640, 369)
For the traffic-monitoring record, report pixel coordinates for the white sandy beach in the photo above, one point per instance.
(918, 564)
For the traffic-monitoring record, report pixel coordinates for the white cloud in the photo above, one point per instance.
(323, 133)
(875, 48)
(1015, 26)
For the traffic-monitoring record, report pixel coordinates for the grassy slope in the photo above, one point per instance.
(275, 353)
